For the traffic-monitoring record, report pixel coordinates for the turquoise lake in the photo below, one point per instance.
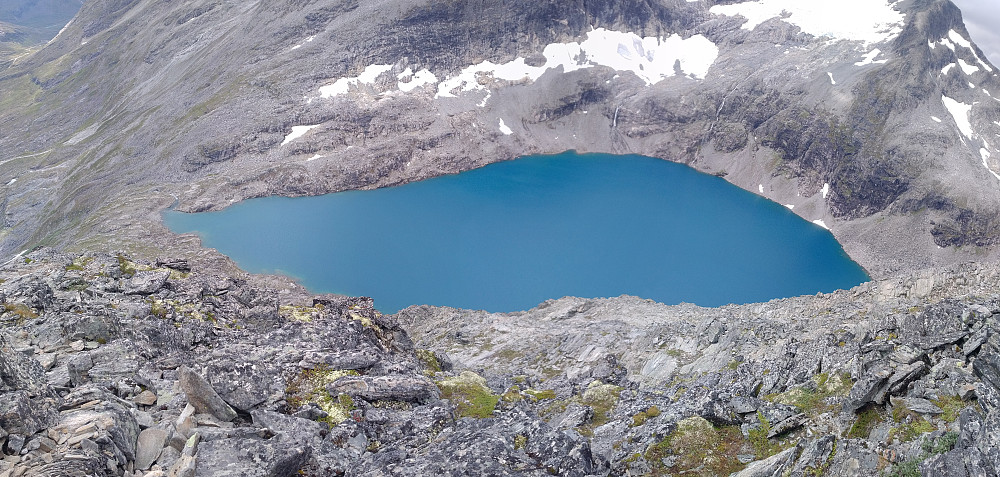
(510, 235)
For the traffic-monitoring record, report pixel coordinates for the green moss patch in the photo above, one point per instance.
(865, 423)
(602, 399)
(815, 400)
(641, 417)
(951, 405)
(469, 393)
(309, 386)
(429, 360)
(700, 448)
(303, 314)
(22, 311)
(540, 394)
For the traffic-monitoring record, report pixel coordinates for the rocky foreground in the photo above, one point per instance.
(114, 366)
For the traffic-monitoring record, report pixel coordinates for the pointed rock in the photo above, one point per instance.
(202, 396)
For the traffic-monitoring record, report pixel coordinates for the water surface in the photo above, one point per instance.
(511, 235)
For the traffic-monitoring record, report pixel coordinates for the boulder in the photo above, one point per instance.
(917, 405)
(249, 458)
(19, 372)
(392, 387)
(870, 388)
(150, 443)
(202, 396)
(775, 465)
(20, 414)
(244, 384)
(146, 282)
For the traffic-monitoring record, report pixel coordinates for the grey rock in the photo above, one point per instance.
(245, 385)
(150, 443)
(870, 388)
(787, 425)
(146, 282)
(19, 372)
(202, 396)
(299, 432)
(20, 414)
(397, 387)
(184, 466)
(918, 405)
(905, 375)
(575, 415)
(956, 463)
(773, 466)
(248, 457)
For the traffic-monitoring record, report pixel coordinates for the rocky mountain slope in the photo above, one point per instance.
(880, 124)
(25, 25)
(116, 366)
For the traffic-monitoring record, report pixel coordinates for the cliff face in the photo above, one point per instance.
(116, 366)
(877, 124)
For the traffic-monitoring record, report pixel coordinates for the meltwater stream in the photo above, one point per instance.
(511, 235)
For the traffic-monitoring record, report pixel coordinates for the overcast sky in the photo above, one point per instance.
(982, 18)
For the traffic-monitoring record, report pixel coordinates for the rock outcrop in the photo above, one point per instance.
(205, 374)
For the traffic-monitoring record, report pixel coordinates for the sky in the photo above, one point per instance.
(982, 18)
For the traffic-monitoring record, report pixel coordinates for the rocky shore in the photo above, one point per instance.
(114, 366)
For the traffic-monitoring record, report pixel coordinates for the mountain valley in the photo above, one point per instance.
(128, 350)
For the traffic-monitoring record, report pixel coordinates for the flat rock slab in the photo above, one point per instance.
(917, 405)
(150, 443)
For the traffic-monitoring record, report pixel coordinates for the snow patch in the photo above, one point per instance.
(315, 156)
(504, 129)
(482, 104)
(821, 223)
(967, 68)
(960, 41)
(870, 21)
(947, 68)
(760, 188)
(297, 132)
(870, 58)
(986, 155)
(936, 119)
(960, 113)
(825, 190)
(418, 79)
(831, 78)
(343, 85)
(12, 181)
(790, 206)
(652, 59)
